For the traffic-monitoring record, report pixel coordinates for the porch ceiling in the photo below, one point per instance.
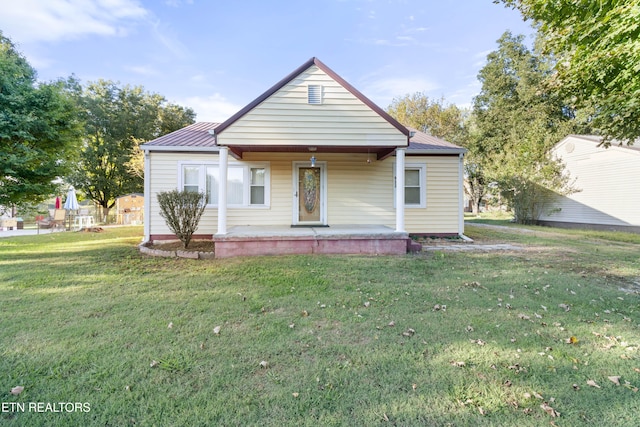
(380, 153)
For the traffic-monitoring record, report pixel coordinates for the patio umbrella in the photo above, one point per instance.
(72, 201)
(71, 204)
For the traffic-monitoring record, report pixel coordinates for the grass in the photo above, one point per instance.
(345, 340)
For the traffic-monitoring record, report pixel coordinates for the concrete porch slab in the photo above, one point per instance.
(282, 240)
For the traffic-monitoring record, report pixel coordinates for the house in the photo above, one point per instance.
(606, 180)
(310, 166)
(130, 209)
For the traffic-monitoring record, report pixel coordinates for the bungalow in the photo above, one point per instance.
(606, 180)
(310, 166)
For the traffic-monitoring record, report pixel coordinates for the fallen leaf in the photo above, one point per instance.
(367, 303)
(479, 342)
(292, 325)
(295, 394)
(592, 383)
(304, 313)
(436, 307)
(615, 380)
(170, 325)
(409, 332)
(414, 386)
(576, 387)
(524, 316)
(549, 410)
(469, 328)
(264, 364)
(571, 340)
(154, 363)
(17, 390)
(565, 307)
(391, 324)
(216, 330)
(457, 364)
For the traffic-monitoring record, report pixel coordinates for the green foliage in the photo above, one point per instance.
(39, 131)
(432, 117)
(181, 211)
(518, 120)
(597, 44)
(117, 120)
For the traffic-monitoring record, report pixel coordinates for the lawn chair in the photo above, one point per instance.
(56, 220)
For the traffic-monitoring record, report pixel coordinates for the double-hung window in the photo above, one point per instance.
(247, 184)
(415, 185)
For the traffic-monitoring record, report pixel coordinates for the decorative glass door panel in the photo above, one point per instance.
(309, 195)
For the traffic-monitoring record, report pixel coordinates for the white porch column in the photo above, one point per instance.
(400, 189)
(147, 196)
(461, 195)
(222, 190)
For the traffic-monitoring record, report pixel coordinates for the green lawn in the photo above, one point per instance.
(440, 338)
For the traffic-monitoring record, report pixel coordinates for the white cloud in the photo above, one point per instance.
(383, 90)
(27, 21)
(212, 108)
(143, 70)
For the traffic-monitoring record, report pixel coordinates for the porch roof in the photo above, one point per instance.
(198, 137)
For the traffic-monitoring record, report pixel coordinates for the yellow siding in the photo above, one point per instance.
(442, 212)
(358, 192)
(285, 118)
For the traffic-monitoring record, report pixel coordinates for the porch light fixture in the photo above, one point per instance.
(313, 161)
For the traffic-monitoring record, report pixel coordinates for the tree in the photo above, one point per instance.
(181, 211)
(598, 57)
(429, 116)
(117, 120)
(39, 131)
(519, 119)
(450, 123)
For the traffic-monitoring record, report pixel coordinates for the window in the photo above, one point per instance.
(246, 184)
(415, 185)
(314, 94)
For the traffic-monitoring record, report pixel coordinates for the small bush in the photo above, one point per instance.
(181, 211)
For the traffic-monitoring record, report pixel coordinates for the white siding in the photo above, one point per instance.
(359, 192)
(609, 180)
(286, 118)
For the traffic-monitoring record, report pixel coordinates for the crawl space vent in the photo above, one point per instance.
(314, 94)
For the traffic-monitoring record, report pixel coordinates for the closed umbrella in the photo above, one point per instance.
(58, 202)
(71, 204)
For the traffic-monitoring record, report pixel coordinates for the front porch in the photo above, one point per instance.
(336, 239)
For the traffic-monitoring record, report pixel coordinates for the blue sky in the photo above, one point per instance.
(217, 56)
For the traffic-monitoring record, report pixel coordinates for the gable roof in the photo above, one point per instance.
(313, 61)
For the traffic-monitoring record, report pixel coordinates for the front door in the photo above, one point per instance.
(309, 194)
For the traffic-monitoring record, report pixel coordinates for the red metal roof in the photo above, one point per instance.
(423, 141)
(195, 135)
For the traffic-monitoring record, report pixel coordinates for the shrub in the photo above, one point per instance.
(181, 211)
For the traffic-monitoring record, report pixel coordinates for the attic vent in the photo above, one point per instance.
(314, 94)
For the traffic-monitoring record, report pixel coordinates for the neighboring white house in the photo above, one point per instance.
(311, 152)
(608, 184)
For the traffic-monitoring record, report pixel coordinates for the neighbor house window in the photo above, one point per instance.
(246, 184)
(415, 185)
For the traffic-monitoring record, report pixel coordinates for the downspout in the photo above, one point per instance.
(147, 197)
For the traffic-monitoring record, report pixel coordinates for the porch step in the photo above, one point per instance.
(413, 247)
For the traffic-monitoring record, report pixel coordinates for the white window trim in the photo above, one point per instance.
(422, 167)
(246, 176)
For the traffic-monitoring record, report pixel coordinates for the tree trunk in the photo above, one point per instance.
(105, 214)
